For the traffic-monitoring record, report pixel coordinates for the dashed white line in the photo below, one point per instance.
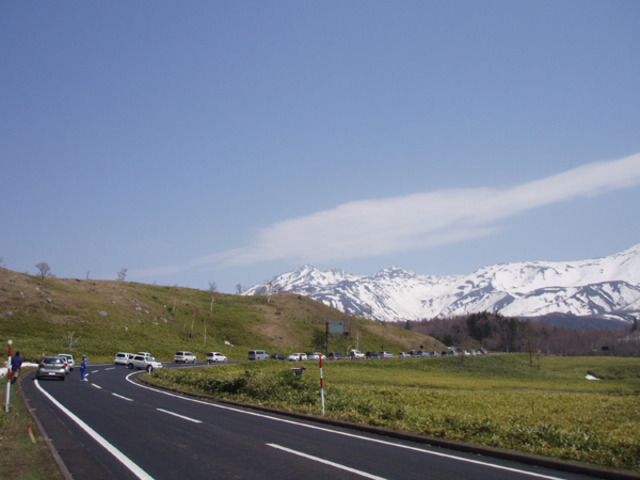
(326, 462)
(95, 385)
(178, 415)
(120, 396)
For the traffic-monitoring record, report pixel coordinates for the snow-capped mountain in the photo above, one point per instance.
(607, 287)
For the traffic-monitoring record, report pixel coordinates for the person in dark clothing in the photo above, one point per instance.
(16, 365)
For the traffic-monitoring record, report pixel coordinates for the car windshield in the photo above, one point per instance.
(52, 361)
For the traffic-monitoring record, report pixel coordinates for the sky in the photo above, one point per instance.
(216, 142)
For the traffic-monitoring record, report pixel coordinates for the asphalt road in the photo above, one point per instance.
(113, 427)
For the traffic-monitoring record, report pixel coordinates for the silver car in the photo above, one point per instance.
(52, 367)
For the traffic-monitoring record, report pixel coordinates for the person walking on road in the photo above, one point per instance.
(16, 365)
(83, 369)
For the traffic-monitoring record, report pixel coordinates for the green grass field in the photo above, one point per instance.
(501, 401)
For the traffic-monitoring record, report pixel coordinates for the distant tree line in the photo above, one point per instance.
(495, 332)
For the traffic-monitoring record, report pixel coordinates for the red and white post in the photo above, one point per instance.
(321, 387)
(10, 342)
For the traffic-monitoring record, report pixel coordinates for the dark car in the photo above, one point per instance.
(336, 356)
(52, 367)
(278, 356)
(371, 355)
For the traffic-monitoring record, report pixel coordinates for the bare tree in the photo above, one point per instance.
(239, 288)
(45, 271)
(273, 288)
(71, 342)
(122, 275)
(213, 289)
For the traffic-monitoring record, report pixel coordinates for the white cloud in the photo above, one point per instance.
(384, 226)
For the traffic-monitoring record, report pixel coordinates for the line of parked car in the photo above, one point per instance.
(355, 354)
(145, 361)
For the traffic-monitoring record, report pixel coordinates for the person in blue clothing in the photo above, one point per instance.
(16, 365)
(83, 368)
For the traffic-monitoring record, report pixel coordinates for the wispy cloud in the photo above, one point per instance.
(385, 226)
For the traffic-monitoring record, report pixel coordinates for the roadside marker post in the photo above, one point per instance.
(10, 342)
(321, 387)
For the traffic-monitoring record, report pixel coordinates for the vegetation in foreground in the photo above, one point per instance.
(22, 459)
(499, 401)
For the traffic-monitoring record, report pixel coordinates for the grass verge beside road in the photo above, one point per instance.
(547, 408)
(21, 458)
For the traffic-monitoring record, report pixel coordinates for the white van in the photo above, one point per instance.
(258, 355)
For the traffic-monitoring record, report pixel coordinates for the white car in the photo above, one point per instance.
(122, 358)
(386, 355)
(355, 354)
(144, 362)
(215, 357)
(404, 355)
(70, 361)
(184, 357)
(297, 357)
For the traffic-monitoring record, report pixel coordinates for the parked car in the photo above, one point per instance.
(122, 358)
(143, 362)
(355, 354)
(258, 355)
(278, 356)
(386, 355)
(297, 357)
(404, 355)
(336, 356)
(315, 356)
(52, 367)
(371, 355)
(184, 357)
(70, 361)
(215, 357)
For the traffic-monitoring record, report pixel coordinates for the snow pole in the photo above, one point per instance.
(10, 342)
(321, 387)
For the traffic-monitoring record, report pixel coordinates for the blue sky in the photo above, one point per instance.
(229, 142)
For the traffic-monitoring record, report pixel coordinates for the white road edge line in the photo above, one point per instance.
(122, 397)
(326, 462)
(351, 435)
(178, 415)
(96, 386)
(133, 468)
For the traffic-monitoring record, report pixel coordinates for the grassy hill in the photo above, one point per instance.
(100, 317)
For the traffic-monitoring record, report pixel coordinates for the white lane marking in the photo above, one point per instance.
(96, 386)
(111, 368)
(120, 396)
(95, 371)
(326, 462)
(350, 435)
(178, 415)
(133, 468)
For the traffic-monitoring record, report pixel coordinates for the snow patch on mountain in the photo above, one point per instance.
(608, 286)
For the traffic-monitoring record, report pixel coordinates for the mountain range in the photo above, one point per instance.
(606, 288)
